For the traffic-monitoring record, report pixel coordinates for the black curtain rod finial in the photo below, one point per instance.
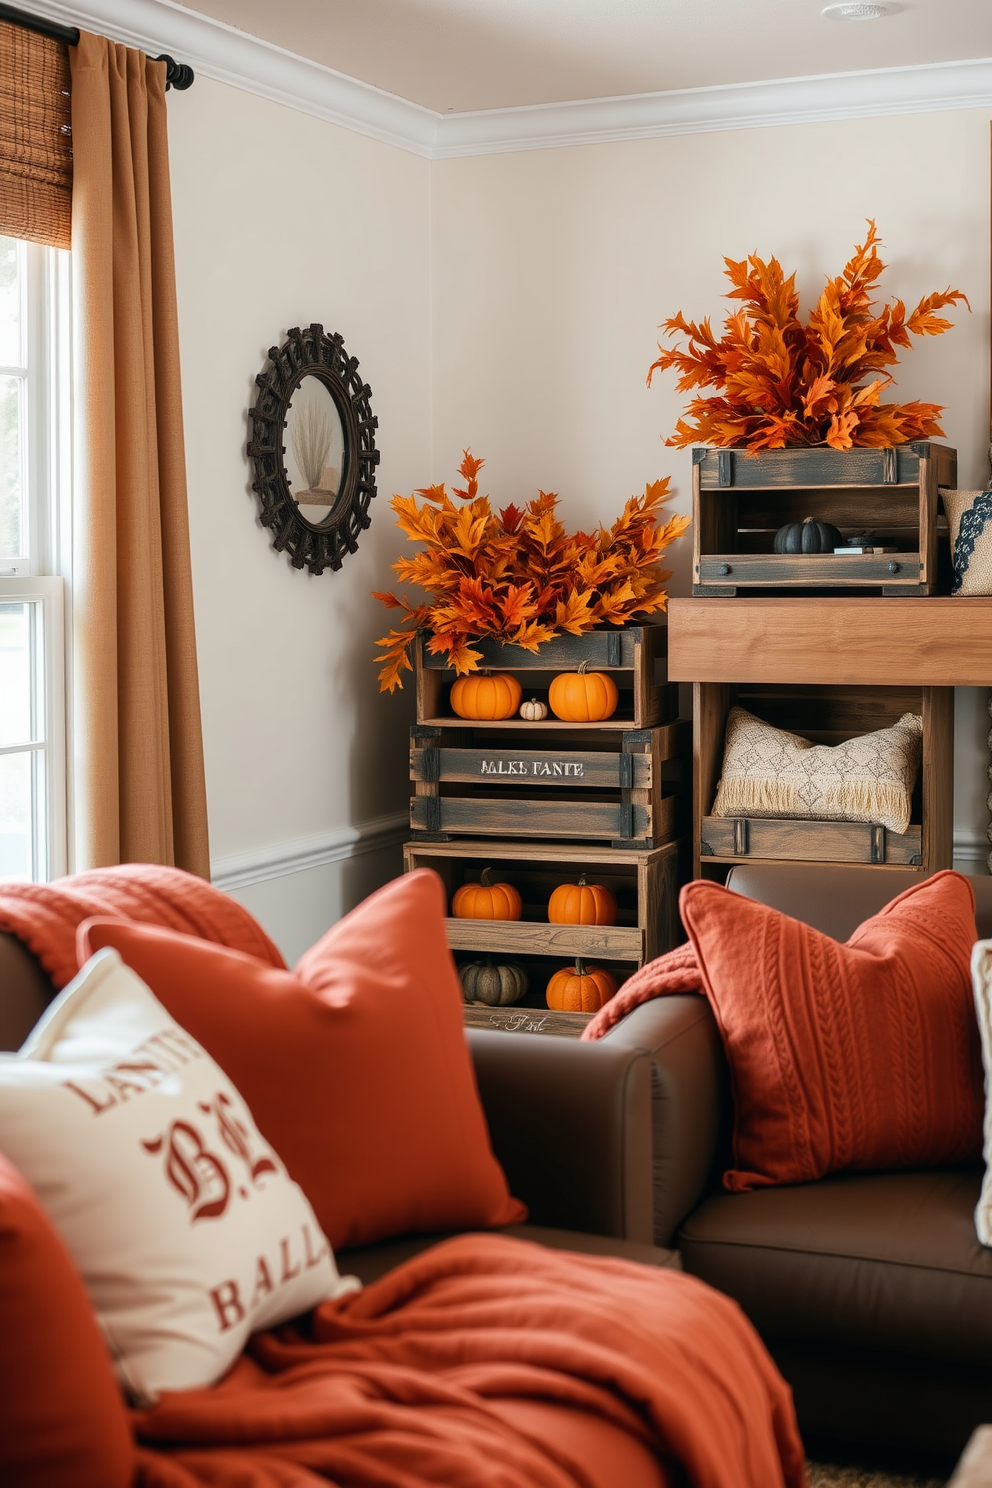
(178, 75)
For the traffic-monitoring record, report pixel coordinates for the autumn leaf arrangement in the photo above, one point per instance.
(519, 576)
(784, 384)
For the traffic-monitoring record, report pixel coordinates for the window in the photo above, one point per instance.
(34, 464)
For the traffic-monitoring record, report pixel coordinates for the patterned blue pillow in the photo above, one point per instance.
(969, 516)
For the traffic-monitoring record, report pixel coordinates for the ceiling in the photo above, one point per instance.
(460, 55)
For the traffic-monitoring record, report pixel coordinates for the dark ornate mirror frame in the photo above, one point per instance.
(312, 353)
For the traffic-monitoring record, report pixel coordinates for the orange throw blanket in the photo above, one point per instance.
(675, 971)
(393, 1385)
(45, 916)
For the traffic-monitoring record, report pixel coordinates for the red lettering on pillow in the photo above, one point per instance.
(236, 1136)
(196, 1173)
(263, 1283)
(227, 1302)
(170, 1050)
(287, 1273)
(312, 1257)
(95, 1105)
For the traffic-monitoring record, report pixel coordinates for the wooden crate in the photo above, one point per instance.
(629, 789)
(740, 501)
(634, 655)
(826, 715)
(645, 883)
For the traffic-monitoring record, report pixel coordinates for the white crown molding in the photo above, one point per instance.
(230, 56)
(262, 865)
(805, 100)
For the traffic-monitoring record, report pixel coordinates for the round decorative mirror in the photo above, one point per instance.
(313, 449)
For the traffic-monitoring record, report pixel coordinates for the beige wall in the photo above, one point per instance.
(508, 302)
(281, 220)
(552, 269)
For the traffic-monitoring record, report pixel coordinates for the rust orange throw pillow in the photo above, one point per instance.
(864, 1055)
(62, 1420)
(354, 1066)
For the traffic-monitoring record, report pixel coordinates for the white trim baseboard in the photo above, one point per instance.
(241, 870)
(231, 56)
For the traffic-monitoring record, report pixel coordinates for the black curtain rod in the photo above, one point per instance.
(177, 74)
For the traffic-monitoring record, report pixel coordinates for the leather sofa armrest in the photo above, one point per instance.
(571, 1125)
(689, 1082)
(25, 992)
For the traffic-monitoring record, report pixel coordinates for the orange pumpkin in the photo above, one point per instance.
(487, 901)
(582, 904)
(486, 695)
(583, 696)
(580, 989)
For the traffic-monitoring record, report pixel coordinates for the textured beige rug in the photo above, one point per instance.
(822, 1476)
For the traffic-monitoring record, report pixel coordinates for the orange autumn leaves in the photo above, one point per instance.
(518, 576)
(785, 384)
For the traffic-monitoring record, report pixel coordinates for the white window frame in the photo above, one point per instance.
(48, 594)
(40, 574)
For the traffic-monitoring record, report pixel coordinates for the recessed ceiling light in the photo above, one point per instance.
(858, 12)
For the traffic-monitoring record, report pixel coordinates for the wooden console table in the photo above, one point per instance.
(895, 642)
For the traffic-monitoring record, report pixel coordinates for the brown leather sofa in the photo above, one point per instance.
(570, 1122)
(871, 1291)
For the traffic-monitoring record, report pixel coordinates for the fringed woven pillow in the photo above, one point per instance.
(969, 517)
(770, 773)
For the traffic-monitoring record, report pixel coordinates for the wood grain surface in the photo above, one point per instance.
(579, 768)
(935, 642)
(531, 938)
(500, 816)
(527, 1020)
(808, 842)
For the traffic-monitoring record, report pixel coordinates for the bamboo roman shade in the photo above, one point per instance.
(35, 137)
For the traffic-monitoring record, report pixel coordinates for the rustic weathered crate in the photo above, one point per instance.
(739, 502)
(521, 1019)
(746, 838)
(645, 884)
(826, 715)
(628, 788)
(634, 655)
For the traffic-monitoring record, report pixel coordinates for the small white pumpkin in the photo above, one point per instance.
(533, 710)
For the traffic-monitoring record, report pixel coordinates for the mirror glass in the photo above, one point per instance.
(314, 449)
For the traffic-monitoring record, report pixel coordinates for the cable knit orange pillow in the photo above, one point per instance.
(864, 1055)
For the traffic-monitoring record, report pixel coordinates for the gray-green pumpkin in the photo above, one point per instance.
(809, 536)
(493, 983)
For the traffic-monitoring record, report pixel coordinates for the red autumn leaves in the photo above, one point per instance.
(519, 576)
(783, 383)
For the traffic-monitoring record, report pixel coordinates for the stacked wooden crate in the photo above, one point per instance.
(739, 501)
(542, 803)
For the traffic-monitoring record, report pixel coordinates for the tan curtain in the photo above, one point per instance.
(35, 138)
(137, 746)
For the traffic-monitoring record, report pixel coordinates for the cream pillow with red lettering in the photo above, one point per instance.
(184, 1224)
